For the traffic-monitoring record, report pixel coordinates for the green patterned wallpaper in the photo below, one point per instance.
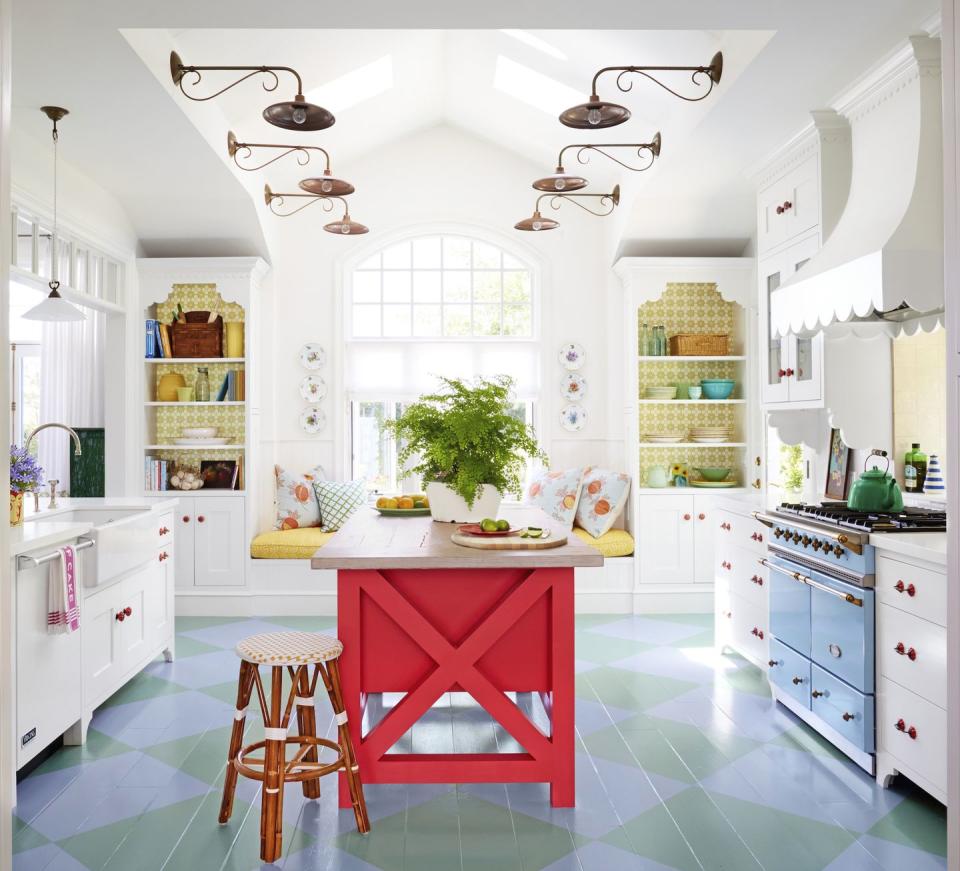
(689, 308)
(198, 297)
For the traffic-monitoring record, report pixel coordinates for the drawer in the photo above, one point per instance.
(917, 590)
(789, 608)
(789, 206)
(740, 531)
(912, 652)
(921, 743)
(723, 616)
(749, 628)
(165, 527)
(747, 577)
(790, 671)
(843, 708)
(842, 632)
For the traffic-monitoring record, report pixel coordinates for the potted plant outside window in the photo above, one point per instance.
(469, 446)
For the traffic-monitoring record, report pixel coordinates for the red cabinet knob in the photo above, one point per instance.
(186, 518)
(909, 589)
(701, 516)
(789, 373)
(200, 518)
(757, 632)
(120, 616)
(686, 516)
(785, 206)
(128, 611)
(164, 530)
(911, 654)
(899, 648)
(757, 580)
(163, 555)
(912, 733)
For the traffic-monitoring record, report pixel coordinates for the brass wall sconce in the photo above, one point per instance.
(296, 114)
(326, 185)
(561, 180)
(536, 222)
(597, 113)
(345, 226)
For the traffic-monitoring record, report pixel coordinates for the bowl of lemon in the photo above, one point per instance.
(412, 505)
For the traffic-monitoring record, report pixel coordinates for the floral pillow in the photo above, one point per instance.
(602, 501)
(297, 506)
(556, 493)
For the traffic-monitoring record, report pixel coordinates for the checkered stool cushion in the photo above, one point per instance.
(289, 648)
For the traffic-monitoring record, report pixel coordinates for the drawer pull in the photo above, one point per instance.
(128, 611)
(771, 662)
(797, 681)
(848, 717)
(200, 518)
(810, 582)
(724, 564)
(784, 207)
(186, 518)
(757, 580)
(163, 555)
(686, 516)
(816, 694)
(901, 726)
(908, 652)
(757, 632)
(910, 589)
(164, 530)
(120, 616)
(701, 516)
(789, 373)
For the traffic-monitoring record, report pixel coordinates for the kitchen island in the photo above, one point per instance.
(420, 615)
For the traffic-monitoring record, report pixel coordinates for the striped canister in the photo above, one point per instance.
(934, 479)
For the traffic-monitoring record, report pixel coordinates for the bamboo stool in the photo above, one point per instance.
(297, 652)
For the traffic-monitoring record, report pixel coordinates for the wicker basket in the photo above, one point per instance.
(699, 345)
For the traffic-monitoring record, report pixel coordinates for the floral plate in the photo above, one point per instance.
(573, 418)
(572, 356)
(312, 420)
(573, 386)
(313, 388)
(312, 356)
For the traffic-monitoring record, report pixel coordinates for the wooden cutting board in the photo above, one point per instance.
(507, 542)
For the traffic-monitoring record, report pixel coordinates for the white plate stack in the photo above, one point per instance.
(710, 435)
(663, 438)
(661, 393)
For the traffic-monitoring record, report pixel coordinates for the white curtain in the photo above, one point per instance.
(71, 388)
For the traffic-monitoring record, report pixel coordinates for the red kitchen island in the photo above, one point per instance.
(422, 616)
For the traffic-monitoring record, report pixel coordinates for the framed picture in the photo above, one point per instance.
(838, 468)
(218, 474)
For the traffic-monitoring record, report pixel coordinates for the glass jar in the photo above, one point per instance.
(201, 387)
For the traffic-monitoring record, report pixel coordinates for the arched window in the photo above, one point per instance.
(428, 305)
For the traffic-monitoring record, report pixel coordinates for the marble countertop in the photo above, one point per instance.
(928, 546)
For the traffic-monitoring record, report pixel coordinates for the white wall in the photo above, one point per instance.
(441, 176)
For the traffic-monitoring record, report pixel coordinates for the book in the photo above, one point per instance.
(166, 345)
(151, 346)
(236, 474)
(231, 385)
(157, 339)
(222, 392)
(241, 385)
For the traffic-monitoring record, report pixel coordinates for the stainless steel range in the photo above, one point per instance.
(822, 621)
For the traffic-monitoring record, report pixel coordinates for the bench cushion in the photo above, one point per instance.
(616, 542)
(289, 543)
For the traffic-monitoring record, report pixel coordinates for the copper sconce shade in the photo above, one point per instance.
(327, 185)
(346, 227)
(295, 114)
(597, 113)
(536, 222)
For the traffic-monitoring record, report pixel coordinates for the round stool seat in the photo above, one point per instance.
(289, 648)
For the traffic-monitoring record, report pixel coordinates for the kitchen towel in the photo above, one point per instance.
(63, 610)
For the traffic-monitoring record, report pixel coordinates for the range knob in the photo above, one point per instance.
(838, 550)
(777, 532)
(817, 544)
(796, 538)
(805, 541)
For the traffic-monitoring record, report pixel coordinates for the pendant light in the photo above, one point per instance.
(562, 181)
(54, 307)
(326, 185)
(597, 113)
(345, 226)
(536, 222)
(295, 114)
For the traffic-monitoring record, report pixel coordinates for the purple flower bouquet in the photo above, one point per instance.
(25, 471)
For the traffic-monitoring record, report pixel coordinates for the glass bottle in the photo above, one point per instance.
(661, 342)
(920, 464)
(201, 387)
(644, 340)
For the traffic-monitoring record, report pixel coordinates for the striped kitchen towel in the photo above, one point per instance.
(63, 607)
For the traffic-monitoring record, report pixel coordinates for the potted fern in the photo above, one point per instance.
(467, 445)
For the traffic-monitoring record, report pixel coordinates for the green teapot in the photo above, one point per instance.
(875, 490)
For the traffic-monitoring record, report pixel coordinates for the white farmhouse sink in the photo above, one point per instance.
(125, 539)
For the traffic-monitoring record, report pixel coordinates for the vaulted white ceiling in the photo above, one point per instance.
(164, 158)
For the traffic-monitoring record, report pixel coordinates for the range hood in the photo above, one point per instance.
(882, 266)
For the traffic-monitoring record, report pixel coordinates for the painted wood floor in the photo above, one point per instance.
(683, 762)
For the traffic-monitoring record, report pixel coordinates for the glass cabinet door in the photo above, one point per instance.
(773, 347)
(806, 359)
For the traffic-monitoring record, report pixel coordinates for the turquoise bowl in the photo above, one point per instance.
(717, 388)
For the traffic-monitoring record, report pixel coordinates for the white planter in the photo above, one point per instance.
(448, 506)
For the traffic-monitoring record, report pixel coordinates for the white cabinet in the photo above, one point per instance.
(102, 660)
(676, 539)
(788, 207)
(792, 366)
(211, 547)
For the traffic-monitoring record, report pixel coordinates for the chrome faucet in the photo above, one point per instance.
(76, 452)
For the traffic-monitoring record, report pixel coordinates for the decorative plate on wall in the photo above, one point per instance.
(313, 388)
(312, 356)
(571, 356)
(573, 418)
(312, 420)
(573, 387)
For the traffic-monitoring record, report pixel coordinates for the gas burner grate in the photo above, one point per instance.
(837, 514)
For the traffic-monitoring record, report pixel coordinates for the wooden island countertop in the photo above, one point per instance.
(371, 541)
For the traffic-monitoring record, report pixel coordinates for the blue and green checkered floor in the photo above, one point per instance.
(683, 762)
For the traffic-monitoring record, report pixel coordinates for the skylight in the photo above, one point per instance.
(536, 42)
(354, 87)
(537, 90)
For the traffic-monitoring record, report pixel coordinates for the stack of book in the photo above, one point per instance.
(158, 340)
(155, 474)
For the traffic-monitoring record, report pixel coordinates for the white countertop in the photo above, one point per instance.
(43, 529)
(929, 546)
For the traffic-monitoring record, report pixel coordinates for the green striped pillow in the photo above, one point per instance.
(338, 500)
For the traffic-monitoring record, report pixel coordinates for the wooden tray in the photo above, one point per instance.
(507, 543)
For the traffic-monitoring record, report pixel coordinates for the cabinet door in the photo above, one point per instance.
(102, 659)
(159, 599)
(774, 353)
(704, 539)
(134, 628)
(667, 536)
(184, 524)
(805, 353)
(219, 546)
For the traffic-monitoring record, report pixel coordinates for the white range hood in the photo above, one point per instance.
(883, 263)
